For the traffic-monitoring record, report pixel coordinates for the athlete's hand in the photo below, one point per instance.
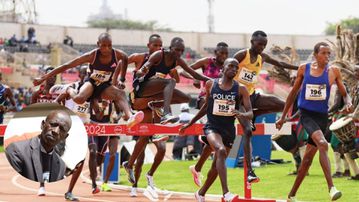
(238, 114)
(38, 81)
(280, 123)
(197, 83)
(183, 128)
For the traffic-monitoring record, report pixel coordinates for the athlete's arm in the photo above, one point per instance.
(136, 58)
(121, 67)
(202, 111)
(192, 72)
(268, 59)
(155, 58)
(83, 59)
(248, 114)
(347, 99)
(291, 97)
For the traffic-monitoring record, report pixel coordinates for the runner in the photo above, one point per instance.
(211, 67)
(105, 67)
(81, 110)
(250, 64)
(313, 82)
(5, 97)
(150, 79)
(100, 112)
(154, 44)
(223, 101)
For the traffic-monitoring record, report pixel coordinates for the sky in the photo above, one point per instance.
(303, 17)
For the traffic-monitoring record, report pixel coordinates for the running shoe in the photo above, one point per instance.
(70, 197)
(152, 191)
(197, 176)
(231, 198)
(150, 181)
(159, 138)
(198, 197)
(133, 192)
(95, 190)
(131, 175)
(105, 187)
(292, 199)
(41, 191)
(334, 194)
(167, 118)
(59, 88)
(135, 119)
(252, 177)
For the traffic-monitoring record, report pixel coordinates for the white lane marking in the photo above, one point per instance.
(14, 181)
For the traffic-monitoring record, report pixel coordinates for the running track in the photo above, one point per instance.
(17, 188)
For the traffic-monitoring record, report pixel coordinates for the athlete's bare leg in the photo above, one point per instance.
(322, 146)
(117, 95)
(84, 93)
(165, 87)
(177, 98)
(266, 104)
(112, 147)
(93, 163)
(218, 165)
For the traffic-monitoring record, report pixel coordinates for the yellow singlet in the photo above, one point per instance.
(248, 72)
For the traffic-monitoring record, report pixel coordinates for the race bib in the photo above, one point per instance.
(248, 76)
(315, 92)
(223, 107)
(82, 109)
(100, 76)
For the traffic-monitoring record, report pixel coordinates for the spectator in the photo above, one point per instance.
(13, 41)
(190, 142)
(31, 37)
(68, 41)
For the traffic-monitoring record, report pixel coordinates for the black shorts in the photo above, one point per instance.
(313, 121)
(253, 98)
(228, 135)
(98, 89)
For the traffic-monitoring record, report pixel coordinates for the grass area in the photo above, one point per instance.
(275, 183)
(1, 148)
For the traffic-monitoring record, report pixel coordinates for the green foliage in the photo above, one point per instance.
(349, 23)
(275, 182)
(1, 149)
(126, 24)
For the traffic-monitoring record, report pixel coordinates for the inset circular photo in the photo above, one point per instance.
(45, 142)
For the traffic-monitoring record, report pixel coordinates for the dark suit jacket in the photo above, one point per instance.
(24, 157)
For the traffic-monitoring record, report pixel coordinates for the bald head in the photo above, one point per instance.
(231, 61)
(104, 36)
(176, 41)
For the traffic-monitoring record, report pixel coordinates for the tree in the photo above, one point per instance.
(126, 24)
(349, 23)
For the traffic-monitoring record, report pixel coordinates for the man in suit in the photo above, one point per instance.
(36, 158)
